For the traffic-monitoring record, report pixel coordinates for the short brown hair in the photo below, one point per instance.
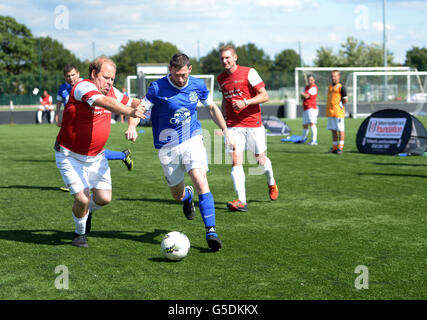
(227, 47)
(70, 67)
(179, 60)
(97, 64)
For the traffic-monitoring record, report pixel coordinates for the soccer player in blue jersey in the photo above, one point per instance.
(72, 76)
(178, 136)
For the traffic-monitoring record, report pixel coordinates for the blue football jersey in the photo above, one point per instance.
(174, 110)
(64, 93)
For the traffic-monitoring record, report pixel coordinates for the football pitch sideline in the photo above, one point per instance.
(350, 226)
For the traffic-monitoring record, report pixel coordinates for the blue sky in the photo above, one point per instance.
(196, 27)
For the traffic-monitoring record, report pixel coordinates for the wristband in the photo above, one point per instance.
(245, 101)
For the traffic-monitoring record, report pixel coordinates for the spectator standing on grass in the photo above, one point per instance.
(310, 113)
(335, 111)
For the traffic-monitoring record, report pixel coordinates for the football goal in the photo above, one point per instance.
(323, 78)
(403, 90)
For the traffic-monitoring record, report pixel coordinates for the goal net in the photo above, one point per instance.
(403, 90)
(323, 79)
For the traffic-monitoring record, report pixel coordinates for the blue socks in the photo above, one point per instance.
(114, 155)
(188, 195)
(207, 210)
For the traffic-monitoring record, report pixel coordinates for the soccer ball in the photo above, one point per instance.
(175, 245)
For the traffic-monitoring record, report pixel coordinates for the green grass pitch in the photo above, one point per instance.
(334, 213)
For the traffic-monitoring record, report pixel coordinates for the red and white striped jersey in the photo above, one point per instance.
(243, 83)
(310, 102)
(85, 128)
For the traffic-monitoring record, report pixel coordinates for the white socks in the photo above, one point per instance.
(304, 134)
(314, 133)
(80, 224)
(52, 116)
(39, 116)
(238, 177)
(268, 171)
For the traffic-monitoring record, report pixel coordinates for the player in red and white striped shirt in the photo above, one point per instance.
(309, 116)
(243, 91)
(80, 143)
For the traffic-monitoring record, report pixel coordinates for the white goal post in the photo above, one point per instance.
(402, 90)
(317, 71)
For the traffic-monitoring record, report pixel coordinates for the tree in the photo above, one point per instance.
(211, 64)
(52, 56)
(353, 53)
(142, 51)
(326, 58)
(287, 61)
(16, 47)
(417, 58)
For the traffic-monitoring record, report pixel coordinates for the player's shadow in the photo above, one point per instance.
(31, 187)
(392, 174)
(172, 201)
(57, 238)
(33, 160)
(401, 164)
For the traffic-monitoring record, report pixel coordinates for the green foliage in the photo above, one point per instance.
(353, 53)
(142, 51)
(16, 47)
(417, 58)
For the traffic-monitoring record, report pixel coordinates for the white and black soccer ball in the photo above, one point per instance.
(175, 245)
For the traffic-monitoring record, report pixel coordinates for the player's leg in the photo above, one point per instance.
(312, 122)
(237, 171)
(258, 145)
(340, 135)
(194, 158)
(174, 174)
(75, 178)
(51, 115)
(304, 135)
(206, 206)
(185, 194)
(305, 122)
(332, 126)
(99, 177)
(125, 156)
(39, 115)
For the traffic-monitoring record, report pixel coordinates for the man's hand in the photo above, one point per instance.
(131, 134)
(229, 142)
(138, 112)
(238, 105)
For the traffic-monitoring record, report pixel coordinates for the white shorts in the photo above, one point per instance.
(46, 108)
(179, 159)
(253, 139)
(79, 174)
(335, 124)
(310, 116)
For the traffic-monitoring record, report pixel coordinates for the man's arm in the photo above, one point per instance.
(261, 97)
(115, 106)
(131, 133)
(217, 117)
(58, 110)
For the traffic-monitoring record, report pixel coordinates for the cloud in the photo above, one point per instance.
(379, 26)
(289, 5)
